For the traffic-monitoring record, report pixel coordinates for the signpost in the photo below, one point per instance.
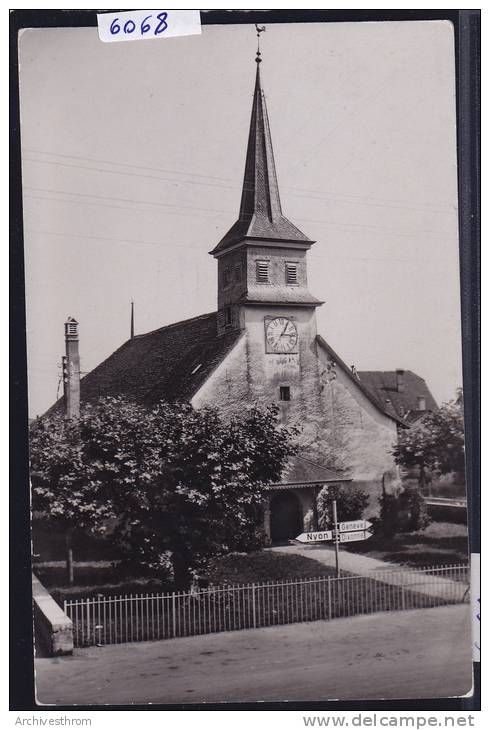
(315, 536)
(354, 525)
(354, 536)
(351, 531)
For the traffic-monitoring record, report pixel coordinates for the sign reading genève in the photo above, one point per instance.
(136, 25)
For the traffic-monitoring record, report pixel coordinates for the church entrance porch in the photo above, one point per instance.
(290, 506)
(286, 519)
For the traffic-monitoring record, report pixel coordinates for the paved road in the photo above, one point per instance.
(423, 653)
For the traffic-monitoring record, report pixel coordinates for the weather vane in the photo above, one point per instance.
(260, 29)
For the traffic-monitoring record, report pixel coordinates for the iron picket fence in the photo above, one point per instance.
(101, 620)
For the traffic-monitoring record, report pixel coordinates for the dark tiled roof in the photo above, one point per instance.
(382, 385)
(171, 362)
(300, 470)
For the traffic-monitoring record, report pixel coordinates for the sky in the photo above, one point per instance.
(132, 163)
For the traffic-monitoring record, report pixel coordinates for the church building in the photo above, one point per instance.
(261, 346)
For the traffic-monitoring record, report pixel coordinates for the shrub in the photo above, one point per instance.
(413, 510)
(351, 503)
(404, 511)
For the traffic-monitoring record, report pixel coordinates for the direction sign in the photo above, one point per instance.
(354, 525)
(354, 536)
(315, 536)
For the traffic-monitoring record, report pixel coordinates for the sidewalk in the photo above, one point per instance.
(406, 654)
(410, 578)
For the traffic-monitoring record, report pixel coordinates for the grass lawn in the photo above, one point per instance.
(237, 568)
(442, 543)
(264, 566)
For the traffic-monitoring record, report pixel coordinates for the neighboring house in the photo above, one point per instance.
(262, 346)
(404, 393)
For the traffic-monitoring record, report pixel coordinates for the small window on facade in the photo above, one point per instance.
(226, 277)
(284, 392)
(421, 403)
(291, 273)
(262, 272)
(238, 272)
(227, 316)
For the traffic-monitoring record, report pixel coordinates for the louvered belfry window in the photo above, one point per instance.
(262, 272)
(291, 273)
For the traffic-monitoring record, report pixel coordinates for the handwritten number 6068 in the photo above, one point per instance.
(129, 26)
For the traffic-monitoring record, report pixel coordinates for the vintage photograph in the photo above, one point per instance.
(245, 365)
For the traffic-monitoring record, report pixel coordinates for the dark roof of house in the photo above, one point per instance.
(171, 362)
(300, 470)
(378, 403)
(383, 387)
(261, 215)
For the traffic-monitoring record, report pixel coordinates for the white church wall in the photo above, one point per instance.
(340, 427)
(358, 434)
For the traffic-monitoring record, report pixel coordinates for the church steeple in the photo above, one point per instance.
(260, 192)
(262, 258)
(261, 215)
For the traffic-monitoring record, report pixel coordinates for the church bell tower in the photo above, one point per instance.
(262, 258)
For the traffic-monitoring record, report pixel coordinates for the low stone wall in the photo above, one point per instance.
(53, 627)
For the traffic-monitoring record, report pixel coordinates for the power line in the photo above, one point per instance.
(105, 238)
(131, 174)
(127, 164)
(363, 226)
(165, 243)
(115, 207)
(129, 200)
(317, 194)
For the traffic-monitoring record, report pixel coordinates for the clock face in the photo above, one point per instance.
(281, 335)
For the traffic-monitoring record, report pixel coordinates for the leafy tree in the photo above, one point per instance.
(351, 503)
(66, 487)
(185, 485)
(435, 443)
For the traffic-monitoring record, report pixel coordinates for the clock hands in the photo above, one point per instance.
(287, 334)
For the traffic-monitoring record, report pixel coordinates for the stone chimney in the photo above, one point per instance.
(72, 369)
(400, 381)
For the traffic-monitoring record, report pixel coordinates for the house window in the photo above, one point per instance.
(227, 316)
(284, 392)
(421, 403)
(238, 272)
(291, 273)
(262, 272)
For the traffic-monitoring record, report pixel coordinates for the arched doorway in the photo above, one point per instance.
(286, 519)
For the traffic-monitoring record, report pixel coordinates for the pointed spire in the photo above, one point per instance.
(260, 192)
(261, 214)
(132, 320)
